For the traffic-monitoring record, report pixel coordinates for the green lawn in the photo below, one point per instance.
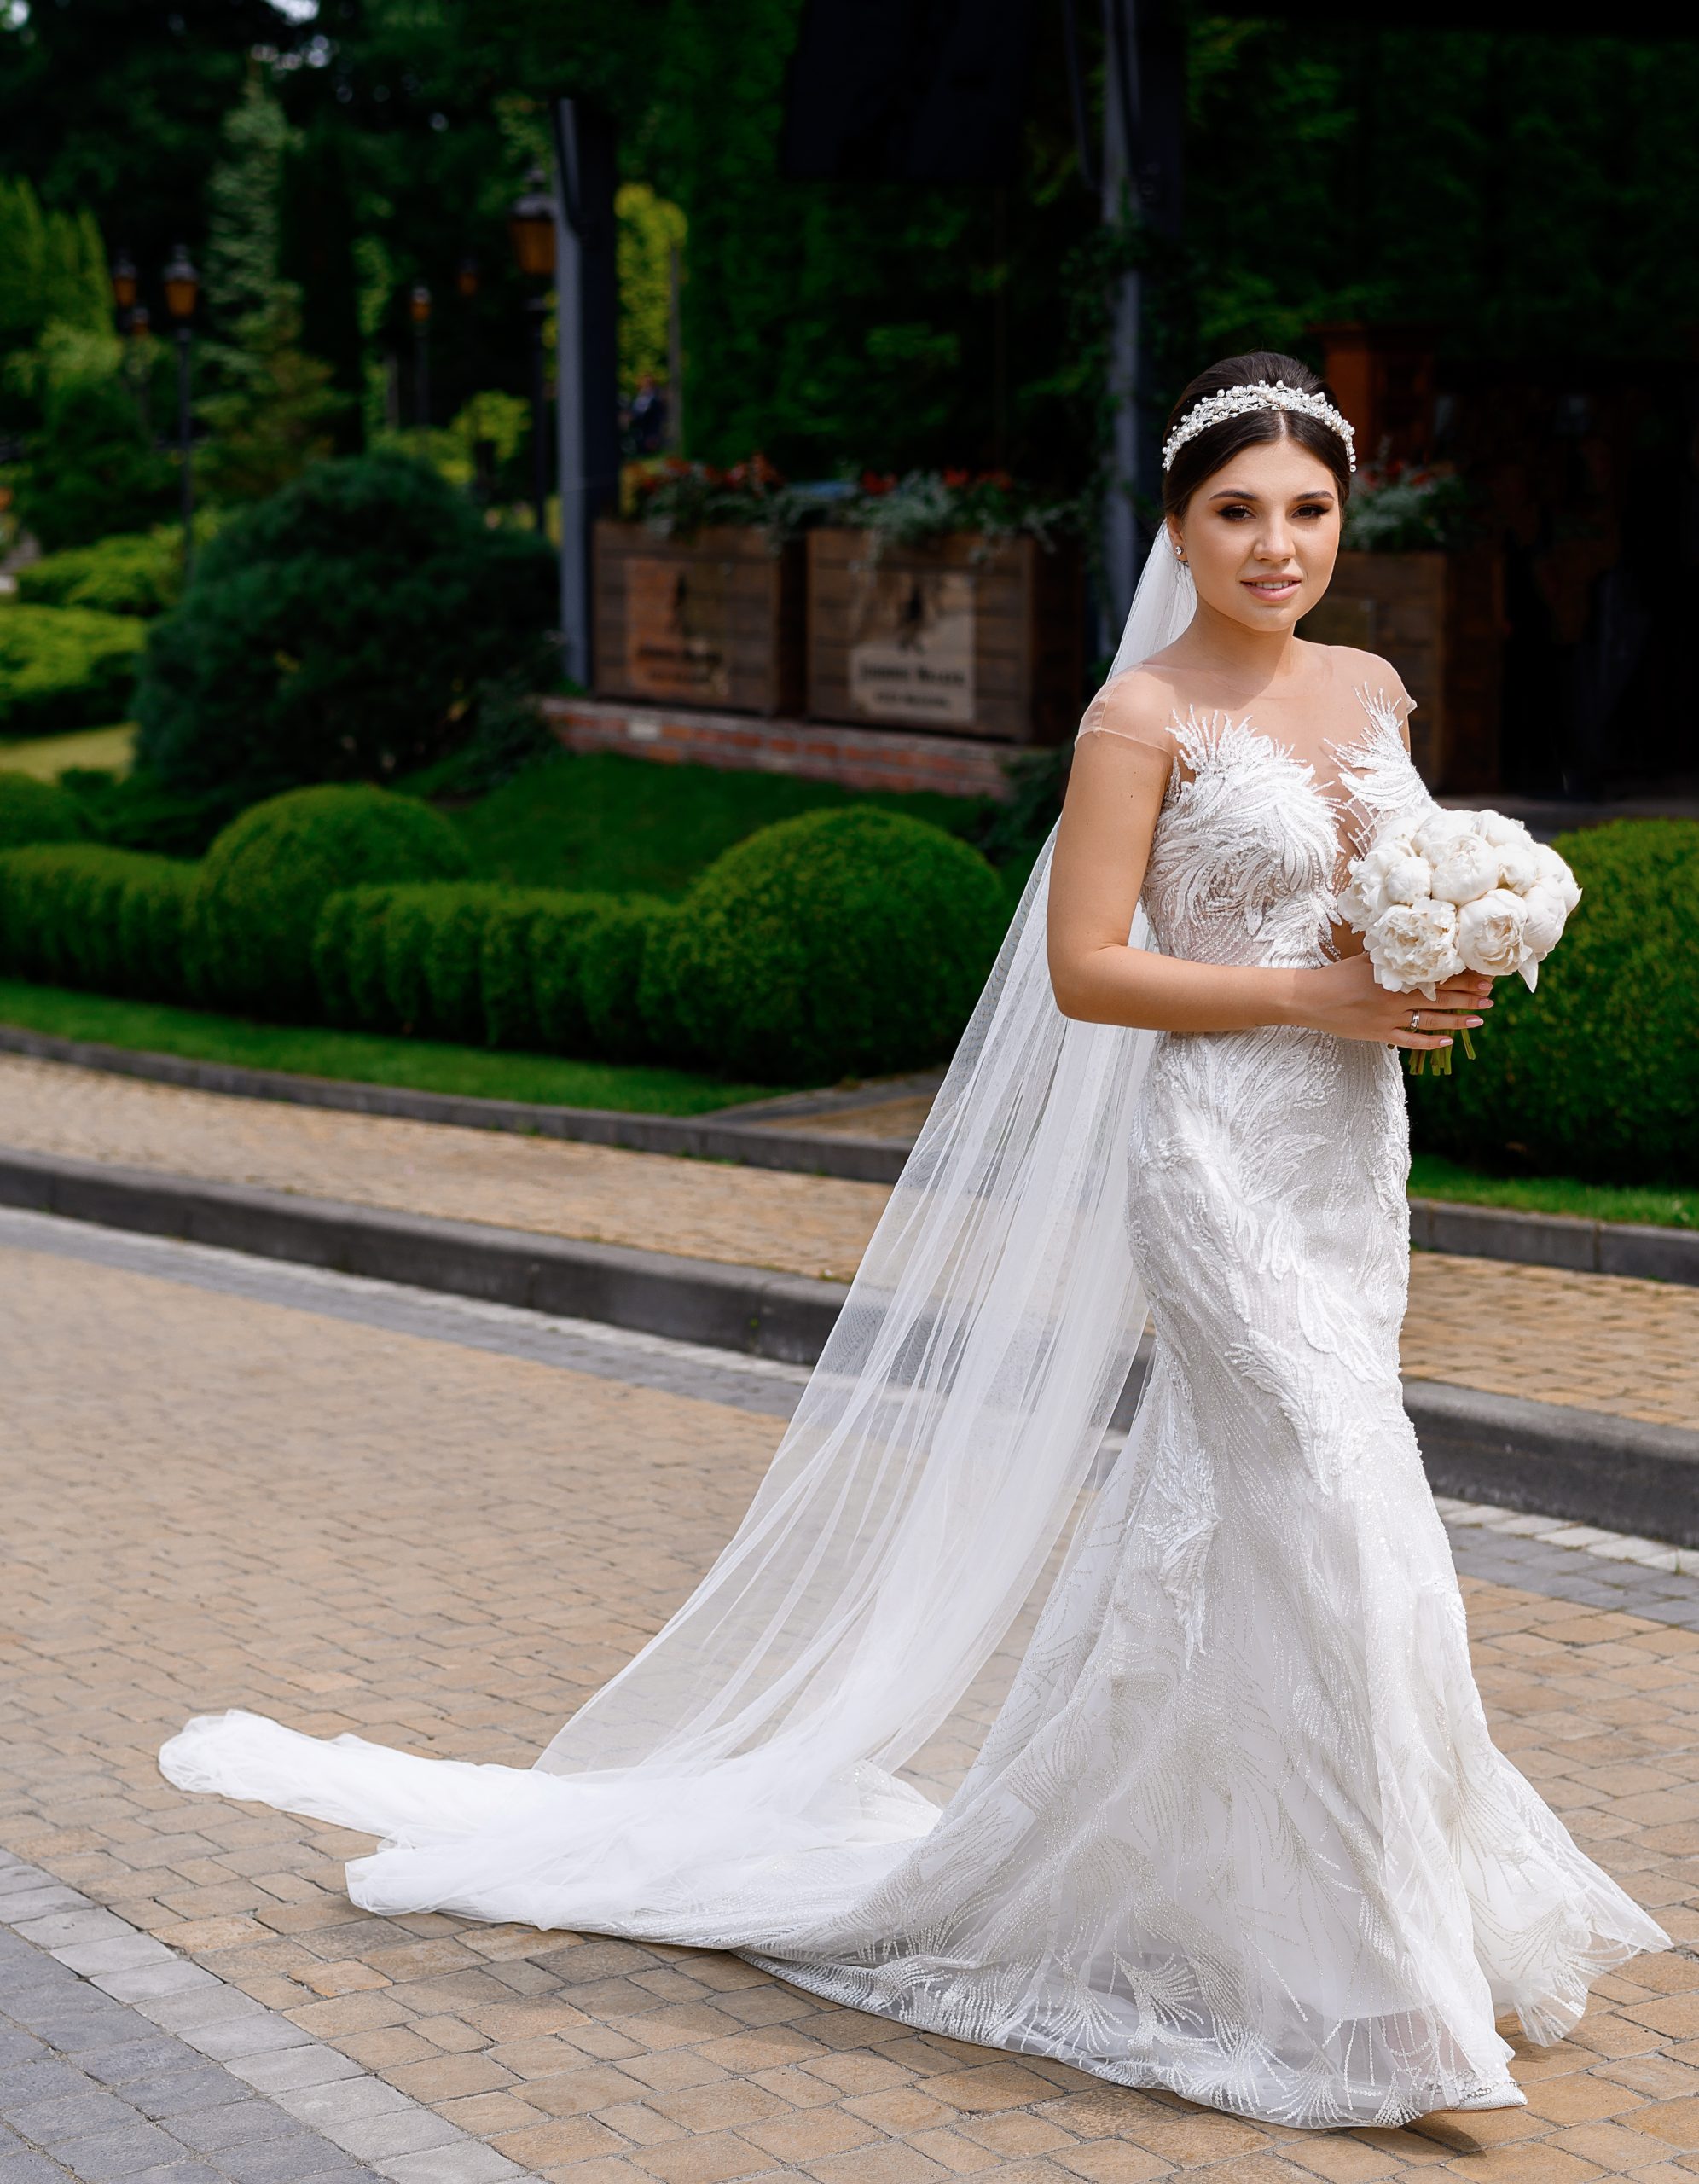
(598, 820)
(47, 756)
(1432, 1176)
(365, 1058)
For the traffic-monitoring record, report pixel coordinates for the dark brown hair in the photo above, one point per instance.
(1216, 444)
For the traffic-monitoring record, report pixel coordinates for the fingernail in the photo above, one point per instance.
(1474, 1023)
(1444, 1042)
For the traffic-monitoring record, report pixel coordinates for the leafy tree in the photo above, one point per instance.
(651, 232)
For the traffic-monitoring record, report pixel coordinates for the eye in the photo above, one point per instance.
(1232, 510)
(1313, 508)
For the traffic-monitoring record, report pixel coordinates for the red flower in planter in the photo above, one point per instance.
(872, 482)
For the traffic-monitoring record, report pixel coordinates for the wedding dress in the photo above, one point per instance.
(1236, 1828)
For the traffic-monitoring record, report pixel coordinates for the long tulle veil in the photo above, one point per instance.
(931, 1464)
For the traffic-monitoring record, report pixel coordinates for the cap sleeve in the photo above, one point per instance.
(1135, 707)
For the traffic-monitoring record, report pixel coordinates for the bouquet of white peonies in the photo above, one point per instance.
(1462, 890)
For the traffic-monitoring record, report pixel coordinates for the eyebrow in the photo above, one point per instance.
(1245, 493)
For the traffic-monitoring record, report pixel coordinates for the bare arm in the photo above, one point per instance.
(1109, 818)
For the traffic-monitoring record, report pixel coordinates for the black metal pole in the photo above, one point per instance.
(538, 308)
(422, 374)
(186, 483)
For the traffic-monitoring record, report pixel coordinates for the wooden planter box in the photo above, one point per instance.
(965, 636)
(713, 620)
(1440, 618)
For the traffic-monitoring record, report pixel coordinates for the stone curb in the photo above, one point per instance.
(362, 2115)
(1593, 1466)
(1485, 1232)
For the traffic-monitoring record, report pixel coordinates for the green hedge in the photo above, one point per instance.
(110, 921)
(268, 876)
(37, 811)
(1595, 1073)
(65, 667)
(843, 942)
(133, 572)
(476, 962)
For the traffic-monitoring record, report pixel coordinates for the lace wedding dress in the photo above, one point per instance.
(1236, 1828)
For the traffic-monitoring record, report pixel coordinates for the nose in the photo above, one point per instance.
(1275, 543)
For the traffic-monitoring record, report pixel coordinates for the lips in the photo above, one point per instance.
(1272, 588)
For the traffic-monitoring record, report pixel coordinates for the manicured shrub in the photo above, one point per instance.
(111, 921)
(339, 632)
(268, 876)
(37, 811)
(92, 467)
(65, 667)
(847, 942)
(505, 961)
(556, 938)
(134, 572)
(610, 982)
(1595, 1074)
(434, 957)
(136, 811)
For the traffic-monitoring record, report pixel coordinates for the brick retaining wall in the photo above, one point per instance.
(860, 758)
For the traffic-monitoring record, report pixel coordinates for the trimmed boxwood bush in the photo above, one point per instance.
(339, 632)
(1595, 1073)
(112, 921)
(65, 667)
(434, 957)
(610, 982)
(842, 943)
(37, 811)
(268, 876)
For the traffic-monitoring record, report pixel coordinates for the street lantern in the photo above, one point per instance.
(419, 308)
(182, 287)
(123, 283)
(531, 222)
(465, 278)
(183, 292)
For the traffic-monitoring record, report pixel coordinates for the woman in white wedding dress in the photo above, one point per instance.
(1237, 1828)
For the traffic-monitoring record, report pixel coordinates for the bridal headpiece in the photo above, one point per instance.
(1263, 394)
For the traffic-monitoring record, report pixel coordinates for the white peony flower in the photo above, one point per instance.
(1551, 871)
(1543, 921)
(1440, 829)
(1413, 946)
(1391, 872)
(1467, 868)
(1490, 932)
(1493, 826)
(1518, 870)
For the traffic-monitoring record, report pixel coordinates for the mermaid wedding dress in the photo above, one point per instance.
(1237, 1826)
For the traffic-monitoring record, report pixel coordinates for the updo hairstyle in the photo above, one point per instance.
(1217, 444)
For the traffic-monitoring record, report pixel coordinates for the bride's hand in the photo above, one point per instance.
(1344, 998)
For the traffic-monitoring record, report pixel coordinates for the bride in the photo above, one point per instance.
(1236, 1828)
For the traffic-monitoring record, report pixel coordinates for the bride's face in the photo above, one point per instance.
(1260, 536)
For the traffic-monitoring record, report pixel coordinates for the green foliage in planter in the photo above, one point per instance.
(268, 875)
(339, 632)
(843, 942)
(64, 667)
(37, 811)
(1595, 1073)
(133, 572)
(79, 914)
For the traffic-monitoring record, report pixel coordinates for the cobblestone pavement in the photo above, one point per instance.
(1596, 1342)
(441, 1524)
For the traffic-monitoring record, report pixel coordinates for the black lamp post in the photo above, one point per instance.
(465, 278)
(419, 304)
(140, 327)
(182, 291)
(531, 223)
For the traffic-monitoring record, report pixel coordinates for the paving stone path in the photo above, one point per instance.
(1593, 1342)
(441, 1524)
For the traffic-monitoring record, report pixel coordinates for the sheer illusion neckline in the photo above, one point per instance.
(1199, 732)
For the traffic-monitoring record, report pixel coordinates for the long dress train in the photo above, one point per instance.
(1238, 1828)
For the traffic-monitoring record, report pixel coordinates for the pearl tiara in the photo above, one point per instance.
(1265, 394)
